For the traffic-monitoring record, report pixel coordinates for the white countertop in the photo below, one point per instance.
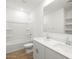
(57, 46)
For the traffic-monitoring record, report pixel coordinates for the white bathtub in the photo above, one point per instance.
(14, 45)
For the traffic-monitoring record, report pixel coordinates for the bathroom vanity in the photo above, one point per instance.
(51, 49)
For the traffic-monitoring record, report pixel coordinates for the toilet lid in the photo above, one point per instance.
(28, 45)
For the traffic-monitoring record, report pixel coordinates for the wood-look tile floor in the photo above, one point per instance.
(20, 54)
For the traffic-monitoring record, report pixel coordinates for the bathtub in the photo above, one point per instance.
(12, 46)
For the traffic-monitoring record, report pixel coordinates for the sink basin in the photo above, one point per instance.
(63, 47)
(50, 42)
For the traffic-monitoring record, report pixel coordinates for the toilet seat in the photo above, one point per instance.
(28, 45)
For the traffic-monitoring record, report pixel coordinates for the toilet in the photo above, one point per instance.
(28, 47)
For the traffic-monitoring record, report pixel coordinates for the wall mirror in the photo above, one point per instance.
(58, 17)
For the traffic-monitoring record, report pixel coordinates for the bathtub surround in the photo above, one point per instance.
(17, 36)
(18, 30)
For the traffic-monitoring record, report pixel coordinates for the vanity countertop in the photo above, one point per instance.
(57, 46)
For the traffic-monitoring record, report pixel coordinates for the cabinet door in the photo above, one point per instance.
(38, 51)
(50, 54)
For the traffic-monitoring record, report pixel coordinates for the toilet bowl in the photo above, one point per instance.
(28, 47)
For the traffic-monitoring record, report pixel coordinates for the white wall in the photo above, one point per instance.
(17, 24)
(17, 15)
(54, 22)
(37, 24)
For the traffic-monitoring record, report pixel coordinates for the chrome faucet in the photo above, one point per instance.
(47, 36)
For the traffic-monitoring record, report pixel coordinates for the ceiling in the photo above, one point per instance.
(58, 4)
(55, 5)
(25, 4)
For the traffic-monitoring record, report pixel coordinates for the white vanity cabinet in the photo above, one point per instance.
(50, 54)
(38, 51)
(43, 52)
